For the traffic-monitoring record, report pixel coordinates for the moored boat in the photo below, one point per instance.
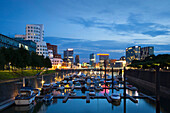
(25, 97)
(115, 96)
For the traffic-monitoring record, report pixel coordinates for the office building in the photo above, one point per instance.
(7, 42)
(54, 49)
(35, 32)
(42, 48)
(132, 53)
(92, 59)
(54, 56)
(77, 60)
(146, 51)
(68, 55)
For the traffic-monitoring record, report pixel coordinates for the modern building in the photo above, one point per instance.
(92, 59)
(68, 55)
(132, 53)
(35, 32)
(7, 42)
(20, 36)
(120, 63)
(54, 49)
(42, 48)
(146, 51)
(56, 63)
(77, 60)
(103, 58)
(54, 56)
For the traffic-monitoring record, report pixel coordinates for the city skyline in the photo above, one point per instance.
(118, 24)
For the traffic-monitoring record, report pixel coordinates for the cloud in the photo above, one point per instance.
(156, 33)
(134, 24)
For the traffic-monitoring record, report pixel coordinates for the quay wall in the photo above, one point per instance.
(146, 80)
(10, 88)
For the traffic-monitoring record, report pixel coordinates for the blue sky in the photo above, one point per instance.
(125, 22)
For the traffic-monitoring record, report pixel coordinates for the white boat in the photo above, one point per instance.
(72, 93)
(92, 93)
(115, 96)
(61, 88)
(77, 85)
(26, 97)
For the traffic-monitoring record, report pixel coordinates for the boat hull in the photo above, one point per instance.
(24, 101)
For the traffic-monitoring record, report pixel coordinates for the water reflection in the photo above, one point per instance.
(79, 105)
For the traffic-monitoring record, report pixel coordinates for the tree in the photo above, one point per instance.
(47, 62)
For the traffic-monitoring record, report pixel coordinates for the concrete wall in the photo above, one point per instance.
(10, 88)
(146, 79)
(150, 76)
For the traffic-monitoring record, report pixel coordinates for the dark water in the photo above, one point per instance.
(80, 105)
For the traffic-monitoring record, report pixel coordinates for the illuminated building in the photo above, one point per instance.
(92, 59)
(56, 63)
(42, 48)
(54, 56)
(54, 49)
(120, 63)
(112, 62)
(132, 53)
(102, 58)
(68, 55)
(7, 42)
(77, 60)
(146, 51)
(35, 32)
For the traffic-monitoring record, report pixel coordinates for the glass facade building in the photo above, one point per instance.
(132, 53)
(7, 42)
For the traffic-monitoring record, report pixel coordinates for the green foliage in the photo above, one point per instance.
(21, 58)
(163, 60)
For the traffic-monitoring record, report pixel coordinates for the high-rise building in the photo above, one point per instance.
(68, 55)
(146, 51)
(92, 59)
(132, 53)
(77, 60)
(35, 32)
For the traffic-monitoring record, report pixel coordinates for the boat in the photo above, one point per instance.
(115, 96)
(98, 88)
(88, 81)
(77, 85)
(91, 88)
(37, 92)
(47, 98)
(92, 92)
(46, 88)
(61, 88)
(25, 97)
(72, 93)
(134, 88)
